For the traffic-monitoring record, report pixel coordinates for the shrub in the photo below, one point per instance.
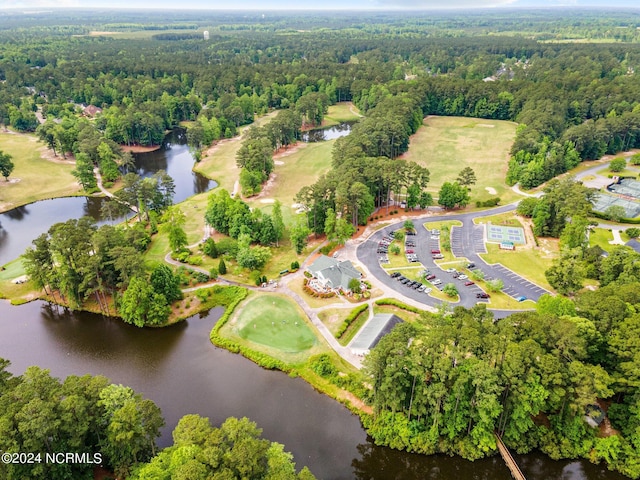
(633, 232)
(209, 248)
(194, 260)
(635, 159)
(395, 303)
(322, 365)
(355, 313)
(295, 265)
(222, 267)
(617, 164)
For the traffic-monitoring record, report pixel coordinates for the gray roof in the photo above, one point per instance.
(376, 328)
(635, 244)
(337, 274)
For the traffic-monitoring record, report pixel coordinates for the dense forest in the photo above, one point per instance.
(443, 384)
(112, 426)
(446, 384)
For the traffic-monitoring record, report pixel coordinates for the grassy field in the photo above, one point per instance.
(341, 112)
(505, 219)
(445, 145)
(627, 172)
(294, 170)
(601, 237)
(531, 264)
(219, 161)
(32, 176)
(274, 321)
(399, 312)
(354, 328)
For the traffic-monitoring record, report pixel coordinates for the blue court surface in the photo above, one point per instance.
(499, 234)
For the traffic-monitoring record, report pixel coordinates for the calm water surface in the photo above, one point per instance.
(18, 227)
(183, 373)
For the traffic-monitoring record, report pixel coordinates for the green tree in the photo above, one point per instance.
(575, 233)
(495, 285)
(615, 213)
(173, 221)
(278, 222)
(567, 272)
(617, 164)
(209, 248)
(633, 232)
(466, 177)
(330, 224)
(453, 195)
(84, 173)
(527, 206)
(141, 305)
(6, 165)
(450, 290)
(354, 285)
(165, 282)
(394, 249)
(555, 305)
(299, 235)
(222, 267)
(343, 230)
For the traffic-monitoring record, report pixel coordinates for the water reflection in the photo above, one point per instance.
(331, 133)
(175, 158)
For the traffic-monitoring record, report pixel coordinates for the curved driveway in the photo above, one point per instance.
(466, 241)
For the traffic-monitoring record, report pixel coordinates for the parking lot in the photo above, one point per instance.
(423, 249)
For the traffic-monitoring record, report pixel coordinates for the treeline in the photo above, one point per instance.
(75, 261)
(447, 383)
(364, 169)
(110, 424)
(115, 427)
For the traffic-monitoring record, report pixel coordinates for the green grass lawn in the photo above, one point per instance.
(303, 166)
(354, 328)
(601, 237)
(505, 219)
(606, 172)
(445, 145)
(276, 322)
(399, 312)
(526, 262)
(219, 161)
(32, 177)
(340, 113)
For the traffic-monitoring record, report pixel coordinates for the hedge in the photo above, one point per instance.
(396, 303)
(603, 216)
(355, 313)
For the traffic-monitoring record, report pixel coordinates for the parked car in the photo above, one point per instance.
(428, 290)
(435, 232)
(437, 256)
(469, 283)
(431, 277)
(437, 281)
(462, 277)
(521, 298)
(482, 295)
(451, 270)
(435, 251)
(471, 266)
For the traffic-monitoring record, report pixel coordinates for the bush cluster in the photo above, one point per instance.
(313, 293)
(395, 303)
(355, 313)
(492, 202)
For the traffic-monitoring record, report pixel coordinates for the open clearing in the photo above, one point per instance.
(34, 172)
(276, 322)
(445, 145)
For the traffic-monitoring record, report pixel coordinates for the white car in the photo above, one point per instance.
(437, 281)
(427, 290)
(451, 270)
(462, 277)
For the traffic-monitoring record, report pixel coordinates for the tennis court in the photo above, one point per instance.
(500, 234)
(627, 187)
(602, 201)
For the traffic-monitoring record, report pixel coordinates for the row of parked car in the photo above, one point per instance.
(418, 286)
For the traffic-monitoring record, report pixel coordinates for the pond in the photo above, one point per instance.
(18, 227)
(180, 370)
(331, 133)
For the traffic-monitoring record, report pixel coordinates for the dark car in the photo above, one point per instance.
(482, 295)
(469, 283)
(471, 266)
(431, 277)
(435, 251)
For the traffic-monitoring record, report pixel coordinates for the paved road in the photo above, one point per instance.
(466, 241)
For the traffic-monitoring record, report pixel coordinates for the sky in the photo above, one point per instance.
(316, 5)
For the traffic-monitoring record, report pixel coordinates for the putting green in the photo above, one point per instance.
(275, 322)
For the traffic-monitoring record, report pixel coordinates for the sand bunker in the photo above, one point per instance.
(491, 190)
